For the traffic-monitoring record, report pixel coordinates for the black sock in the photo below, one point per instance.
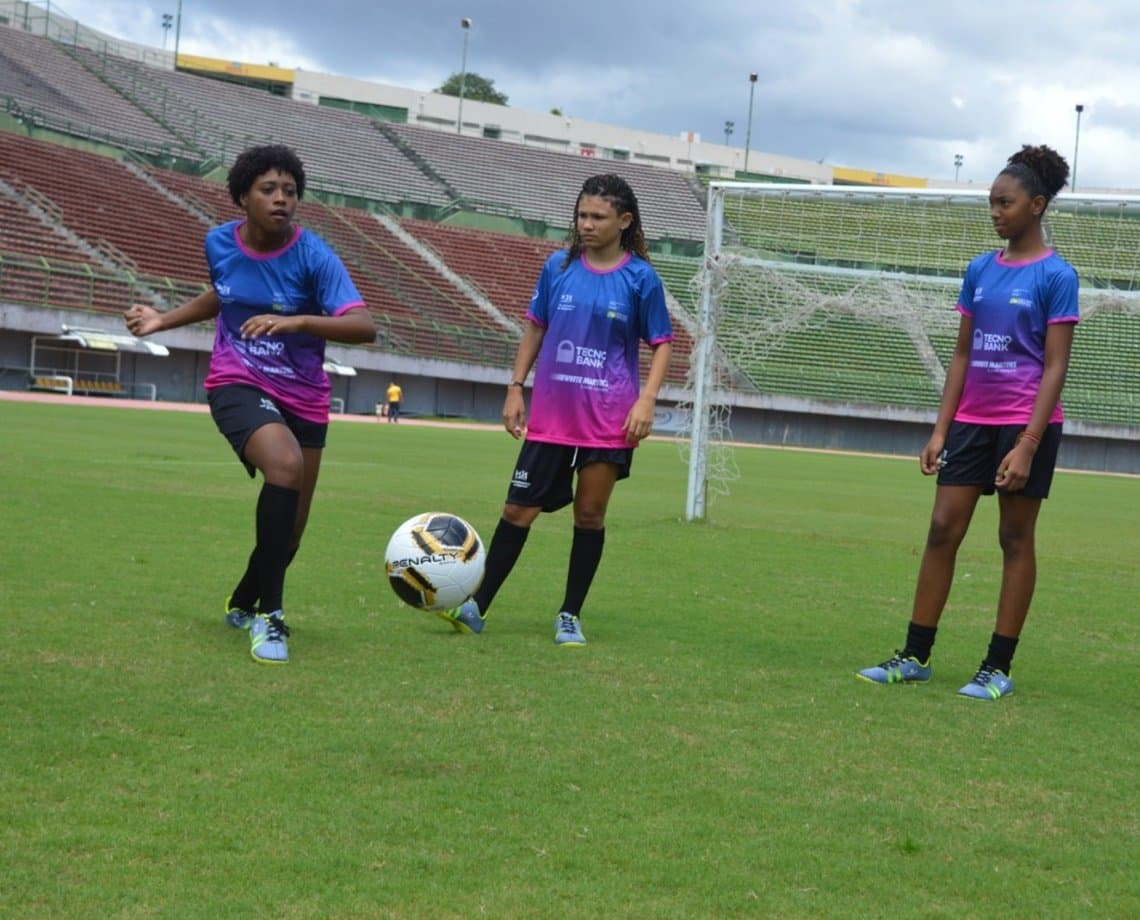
(1000, 653)
(585, 554)
(244, 596)
(919, 641)
(506, 546)
(276, 516)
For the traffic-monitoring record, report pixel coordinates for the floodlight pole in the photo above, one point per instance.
(177, 33)
(958, 161)
(728, 128)
(465, 25)
(752, 78)
(1076, 146)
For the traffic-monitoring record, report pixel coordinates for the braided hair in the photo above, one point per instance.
(616, 191)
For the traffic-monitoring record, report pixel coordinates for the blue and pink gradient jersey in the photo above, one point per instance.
(303, 276)
(586, 377)
(1011, 305)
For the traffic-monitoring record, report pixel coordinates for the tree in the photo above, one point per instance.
(477, 88)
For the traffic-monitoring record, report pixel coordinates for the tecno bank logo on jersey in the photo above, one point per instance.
(569, 353)
(989, 341)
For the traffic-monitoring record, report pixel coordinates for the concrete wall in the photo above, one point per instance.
(447, 389)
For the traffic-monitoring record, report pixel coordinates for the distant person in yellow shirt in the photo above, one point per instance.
(395, 395)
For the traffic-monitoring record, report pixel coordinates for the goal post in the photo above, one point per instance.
(702, 375)
(842, 298)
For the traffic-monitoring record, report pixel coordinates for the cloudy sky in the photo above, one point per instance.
(891, 85)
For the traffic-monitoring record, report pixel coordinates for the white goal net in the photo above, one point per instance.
(844, 296)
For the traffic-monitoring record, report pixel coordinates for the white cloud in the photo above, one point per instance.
(890, 85)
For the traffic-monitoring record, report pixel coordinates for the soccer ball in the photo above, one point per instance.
(434, 561)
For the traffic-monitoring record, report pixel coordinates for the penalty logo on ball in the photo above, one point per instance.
(434, 561)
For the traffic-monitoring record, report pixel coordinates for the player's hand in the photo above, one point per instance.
(142, 319)
(1013, 471)
(638, 422)
(933, 456)
(514, 412)
(265, 324)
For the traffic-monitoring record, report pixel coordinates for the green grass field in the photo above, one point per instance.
(709, 754)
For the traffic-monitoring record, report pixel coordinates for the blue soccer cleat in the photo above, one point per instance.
(267, 635)
(897, 670)
(236, 617)
(465, 618)
(568, 631)
(989, 683)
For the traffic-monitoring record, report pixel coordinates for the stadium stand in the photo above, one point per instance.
(502, 266)
(137, 233)
(35, 281)
(30, 223)
(45, 86)
(836, 232)
(341, 149)
(211, 199)
(1104, 374)
(897, 237)
(129, 223)
(845, 360)
(531, 183)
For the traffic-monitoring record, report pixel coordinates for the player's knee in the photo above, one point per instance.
(1015, 541)
(285, 468)
(520, 515)
(590, 517)
(944, 533)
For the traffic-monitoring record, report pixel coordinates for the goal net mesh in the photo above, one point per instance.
(845, 296)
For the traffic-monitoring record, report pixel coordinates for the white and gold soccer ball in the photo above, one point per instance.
(434, 561)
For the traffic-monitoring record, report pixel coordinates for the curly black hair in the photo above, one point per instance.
(257, 161)
(1040, 169)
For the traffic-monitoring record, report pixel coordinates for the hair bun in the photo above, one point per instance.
(1048, 165)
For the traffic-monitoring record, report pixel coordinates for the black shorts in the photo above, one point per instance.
(544, 473)
(973, 452)
(239, 411)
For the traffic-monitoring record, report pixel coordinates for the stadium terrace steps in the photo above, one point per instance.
(151, 231)
(51, 87)
(22, 232)
(412, 286)
(532, 183)
(202, 119)
(501, 265)
(341, 150)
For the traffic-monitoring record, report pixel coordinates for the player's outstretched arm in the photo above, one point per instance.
(143, 319)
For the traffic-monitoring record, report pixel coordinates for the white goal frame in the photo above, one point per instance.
(1118, 291)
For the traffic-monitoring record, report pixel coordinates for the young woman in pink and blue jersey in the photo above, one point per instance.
(999, 423)
(593, 306)
(278, 293)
